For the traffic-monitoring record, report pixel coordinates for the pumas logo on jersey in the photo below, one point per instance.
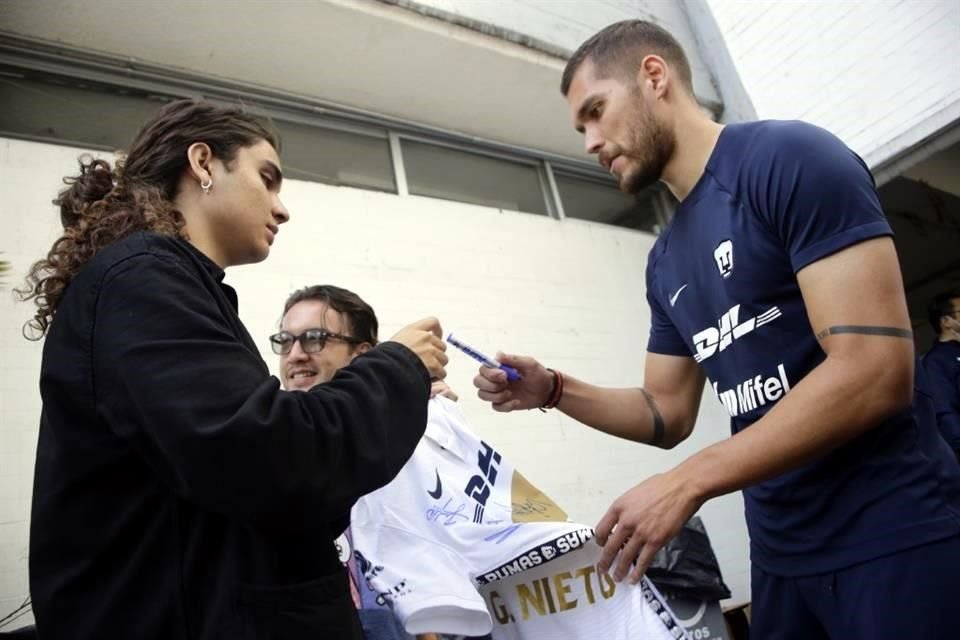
(730, 328)
(723, 254)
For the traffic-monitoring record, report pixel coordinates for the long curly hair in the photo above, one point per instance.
(104, 204)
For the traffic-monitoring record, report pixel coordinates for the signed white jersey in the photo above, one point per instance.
(461, 543)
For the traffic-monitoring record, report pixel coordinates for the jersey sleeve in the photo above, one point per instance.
(664, 337)
(424, 582)
(816, 194)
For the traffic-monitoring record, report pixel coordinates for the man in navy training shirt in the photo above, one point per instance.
(778, 280)
(942, 365)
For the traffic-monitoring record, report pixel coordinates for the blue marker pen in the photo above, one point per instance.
(512, 374)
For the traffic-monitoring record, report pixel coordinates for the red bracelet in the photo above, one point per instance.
(556, 391)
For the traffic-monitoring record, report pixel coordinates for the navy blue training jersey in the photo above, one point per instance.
(721, 282)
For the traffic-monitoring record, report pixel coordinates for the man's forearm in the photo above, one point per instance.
(632, 413)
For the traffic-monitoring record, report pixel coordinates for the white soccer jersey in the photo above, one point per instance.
(568, 598)
(461, 543)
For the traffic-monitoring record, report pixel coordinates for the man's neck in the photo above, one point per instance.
(696, 138)
(198, 233)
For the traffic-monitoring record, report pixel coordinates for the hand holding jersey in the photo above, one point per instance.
(641, 521)
(423, 338)
(441, 388)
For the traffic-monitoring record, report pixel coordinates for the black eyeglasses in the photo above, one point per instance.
(311, 341)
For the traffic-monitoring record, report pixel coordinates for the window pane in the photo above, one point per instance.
(90, 116)
(440, 172)
(109, 117)
(599, 201)
(335, 157)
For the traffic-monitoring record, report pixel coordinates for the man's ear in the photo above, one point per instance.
(200, 157)
(363, 347)
(655, 74)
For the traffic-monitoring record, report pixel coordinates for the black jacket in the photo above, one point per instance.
(179, 492)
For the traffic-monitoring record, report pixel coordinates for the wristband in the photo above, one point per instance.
(556, 391)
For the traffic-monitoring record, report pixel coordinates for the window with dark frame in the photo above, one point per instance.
(599, 200)
(75, 112)
(455, 174)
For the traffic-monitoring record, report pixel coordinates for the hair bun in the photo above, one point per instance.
(95, 181)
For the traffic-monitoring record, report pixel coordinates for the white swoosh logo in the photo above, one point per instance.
(673, 298)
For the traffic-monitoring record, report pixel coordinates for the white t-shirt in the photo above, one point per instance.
(461, 543)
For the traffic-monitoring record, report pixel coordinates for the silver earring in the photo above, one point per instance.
(206, 184)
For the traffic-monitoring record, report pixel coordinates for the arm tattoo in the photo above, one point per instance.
(658, 427)
(867, 331)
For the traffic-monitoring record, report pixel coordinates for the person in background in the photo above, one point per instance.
(179, 492)
(942, 365)
(325, 328)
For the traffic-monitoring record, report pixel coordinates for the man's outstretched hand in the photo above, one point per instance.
(641, 521)
(530, 392)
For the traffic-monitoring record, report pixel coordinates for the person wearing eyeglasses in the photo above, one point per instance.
(324, 328)
(942, 365)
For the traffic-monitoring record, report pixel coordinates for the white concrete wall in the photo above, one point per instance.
(29, 222)
(882, 75)
(568, 24)
(570, 293)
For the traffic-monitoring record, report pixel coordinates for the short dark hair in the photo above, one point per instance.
(941, 305)
(620, 47)
(361, 319)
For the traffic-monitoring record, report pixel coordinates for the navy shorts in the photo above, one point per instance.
(912, 594)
